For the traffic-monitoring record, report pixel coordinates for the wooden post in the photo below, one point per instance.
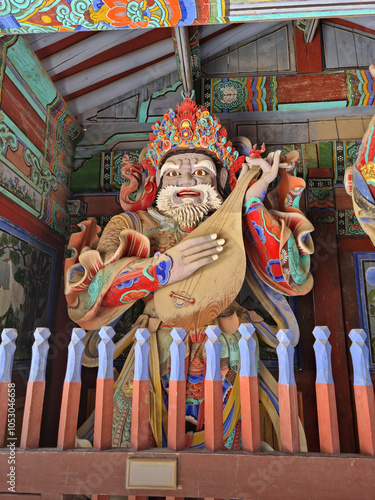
(177, 392)
(104, 391)
(288, 400)
(32, 415)
(141, 392)
(71, 392)
(250, 418)
(7, 350)
(363, 392)
(213, 392)
(325, 393)
(104, 395)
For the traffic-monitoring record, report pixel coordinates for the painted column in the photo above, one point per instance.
(177, 392)
(71, 392)
(250, 418)
(288, 402)
(325, 393)
(32, 415)
(7, 350)
(141, 392)
(213, 392)
(363, 392)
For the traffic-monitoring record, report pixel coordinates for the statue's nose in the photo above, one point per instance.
(187, 179)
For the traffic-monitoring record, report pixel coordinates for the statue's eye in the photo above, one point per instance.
(200, 172)
(173, 173)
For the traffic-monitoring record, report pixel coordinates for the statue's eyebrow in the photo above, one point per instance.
(207, 164)
(167, 165)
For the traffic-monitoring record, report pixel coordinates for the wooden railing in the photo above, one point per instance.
(174, 472)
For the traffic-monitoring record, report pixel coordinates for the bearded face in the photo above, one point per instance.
(189, 189)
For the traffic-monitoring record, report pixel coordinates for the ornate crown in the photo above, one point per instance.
(190, 126)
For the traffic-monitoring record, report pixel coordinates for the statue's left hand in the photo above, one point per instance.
(270, 168)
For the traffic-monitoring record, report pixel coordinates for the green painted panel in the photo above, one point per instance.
(325, 155)
(312, 105)
(30, 69)
(86, 179)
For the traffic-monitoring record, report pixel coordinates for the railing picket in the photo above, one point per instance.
(177, 392)
(249, 392)
(325, 393)
(32, 416)
(7, 350)
(71, 392)
(141, 392)
(213, 392)
(104, 395)
(363, 392)
(288, 399)
(104, 391)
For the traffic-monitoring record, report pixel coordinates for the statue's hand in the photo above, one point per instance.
(190, 255)
(270, 168)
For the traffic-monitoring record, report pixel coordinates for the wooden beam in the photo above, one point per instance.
(182, 48)
(200, 474)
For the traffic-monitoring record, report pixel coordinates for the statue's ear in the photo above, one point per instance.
(157, 177)
(223, 177)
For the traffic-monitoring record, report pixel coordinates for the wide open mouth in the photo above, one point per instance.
(188, 193)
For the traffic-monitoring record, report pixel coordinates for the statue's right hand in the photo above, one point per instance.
(192, 254)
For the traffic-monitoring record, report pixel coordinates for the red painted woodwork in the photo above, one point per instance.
(327, 418)
(140, 415)
(103, 414)
(250, 418)
(69, 415)
(3, 410)
(62, 44)
(32, 415)
(118, 50)
(213, 415)
(348, 24)
(176, 414)
(329, 311)
(311, 88)
(103, 83)
(320, 173)
(308, 55)
(14, 104)
(101, 206)
(225, 474)
(365, 409)
(288, 411)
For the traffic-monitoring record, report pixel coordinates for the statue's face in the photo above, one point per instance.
(188, 172)
(189, 188)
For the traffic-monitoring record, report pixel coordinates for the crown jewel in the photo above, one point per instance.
(190, 126)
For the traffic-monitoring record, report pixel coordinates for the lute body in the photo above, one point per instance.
(197, 300)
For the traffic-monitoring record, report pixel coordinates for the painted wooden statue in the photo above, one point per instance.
(186, 253)
(360, 179)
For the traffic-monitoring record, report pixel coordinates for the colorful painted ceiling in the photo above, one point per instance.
(31, 16)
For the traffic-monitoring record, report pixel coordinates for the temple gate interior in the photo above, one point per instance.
(73, 103)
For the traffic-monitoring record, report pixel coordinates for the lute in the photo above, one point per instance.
(197, 300)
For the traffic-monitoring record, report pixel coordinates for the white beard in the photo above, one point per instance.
(188, 214)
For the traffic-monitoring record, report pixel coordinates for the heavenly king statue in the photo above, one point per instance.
(177, 226)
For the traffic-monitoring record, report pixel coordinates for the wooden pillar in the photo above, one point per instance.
(104, 395)
(32, 415)
(177, 392)
(213, 392)
(141, 392)
(288, 400)
(363, 392)
(325, 393)
(7, 350)
(249, 392)
(71, 392)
